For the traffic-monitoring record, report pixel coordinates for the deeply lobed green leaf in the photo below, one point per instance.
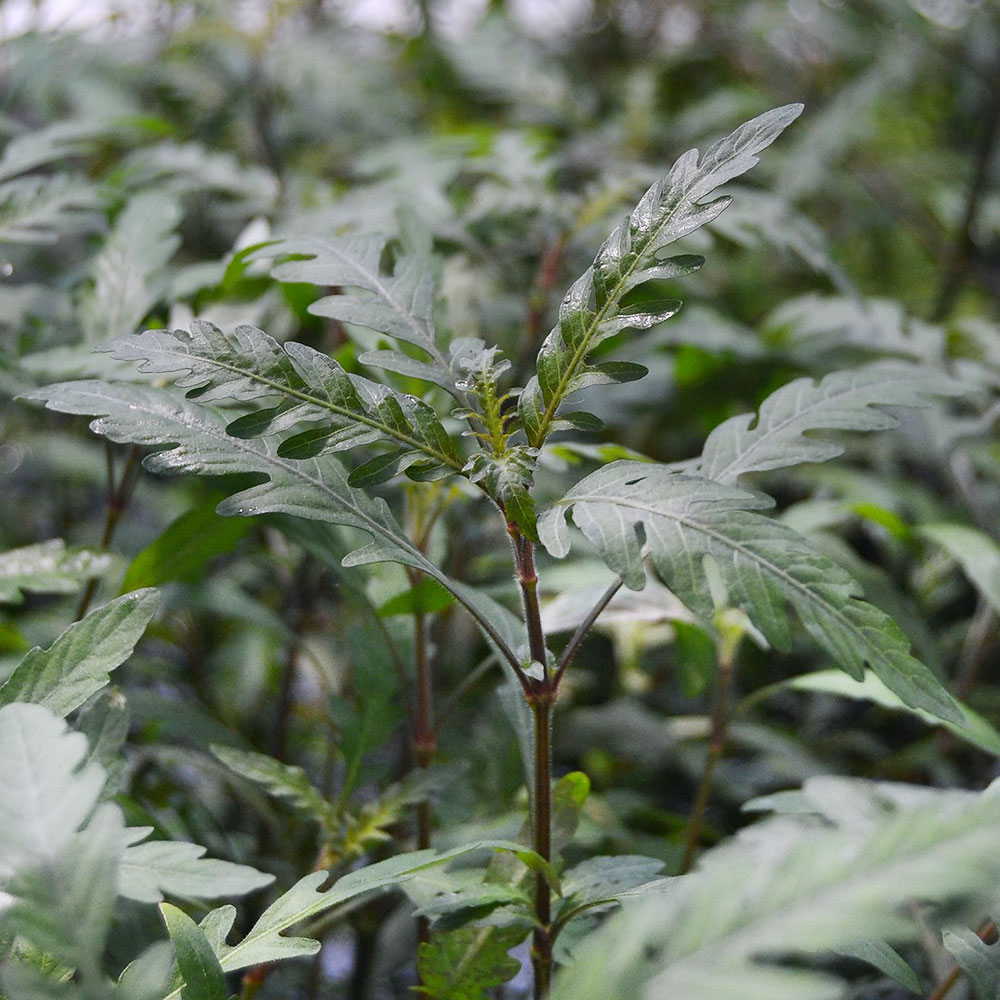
(593, 308)
(311, 387)
(765, 566)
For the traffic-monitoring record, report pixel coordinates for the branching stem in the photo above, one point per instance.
(583, 629)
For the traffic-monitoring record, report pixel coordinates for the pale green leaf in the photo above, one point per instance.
(203, 976)
(974, 729)
(46, 789)
(79, 662)
(603, 880)
(47, 568)
(266, 940)
(400, 304)
(789, 886)
(886, 959)
(765, 566)
(775, 437)
(978, 960)
(975, 552)
(281, 780)
(150, 870)
(128, 271)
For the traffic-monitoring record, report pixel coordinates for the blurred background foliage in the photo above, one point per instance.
(146, 148)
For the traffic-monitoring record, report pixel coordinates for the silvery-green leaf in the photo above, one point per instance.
(765, 567)
(78, 663)
(788, 887)
(593, 308)
(316, 489)
(47, 568)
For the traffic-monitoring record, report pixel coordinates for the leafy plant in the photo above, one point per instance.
(405, 483)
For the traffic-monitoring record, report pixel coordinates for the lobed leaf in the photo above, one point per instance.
(316, 489)
(765, 566)
(775, 438)
(463, 964)
(281, 780)
(978, 960)
(790, 886)
(312, 387)
(266, 940)
(47, 790)
(149, 870)
(593, 308)
(400, 304)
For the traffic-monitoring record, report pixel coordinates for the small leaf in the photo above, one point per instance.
(281, 780)
(172, 866)
(978, 960)
(47, 568)
(200, 969)
(463, 964)
(428, 596)
(602, 881)
(79, 662)
(975, 552)
(974, 729)
(886, 959)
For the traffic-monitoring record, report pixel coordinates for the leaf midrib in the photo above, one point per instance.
(305, 397)
(728, 542)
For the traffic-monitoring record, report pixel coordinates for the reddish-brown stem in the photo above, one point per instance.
(583, 630)
(541, 951)
(118, 497)
(540, 693)
(716, 746)
(424, 735)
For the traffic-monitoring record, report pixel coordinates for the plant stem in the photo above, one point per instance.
(716, 746)
(540, 693)
(541, 951)
(963, 251)
(584, 628)
(424, 742)
(118, 498)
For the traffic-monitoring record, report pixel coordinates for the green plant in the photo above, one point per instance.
(303, 704)
(696, 527)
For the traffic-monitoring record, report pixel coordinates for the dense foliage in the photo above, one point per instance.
(387, 549)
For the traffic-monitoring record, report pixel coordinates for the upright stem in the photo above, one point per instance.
(541, 952)
(540, 692)
(118, 497)
(424, 736)
(716, 746)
